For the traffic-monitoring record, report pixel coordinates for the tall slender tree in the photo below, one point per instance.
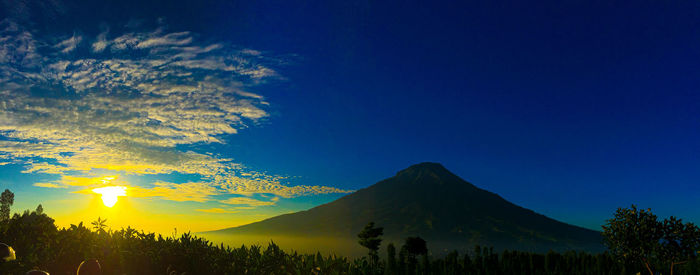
(370, 237)
(6, 200)
(391, 259)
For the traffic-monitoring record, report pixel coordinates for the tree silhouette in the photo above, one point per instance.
(30, 235)
(391, 259)
(633, 235)
(99, 225)
(416, 246)
(370, 238)
(6, 200)
(679, 242)
(39, 210)
(39, 243)
(413, 247)
(637, 236)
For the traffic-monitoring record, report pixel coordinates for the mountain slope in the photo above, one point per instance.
(429, 201)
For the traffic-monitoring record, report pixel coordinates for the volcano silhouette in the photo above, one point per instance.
(429, 201)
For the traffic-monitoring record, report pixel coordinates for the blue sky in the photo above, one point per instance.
(570, 109)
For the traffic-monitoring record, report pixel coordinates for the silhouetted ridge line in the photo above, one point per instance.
(428, 200)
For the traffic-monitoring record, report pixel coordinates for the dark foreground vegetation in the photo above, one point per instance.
(40, 245)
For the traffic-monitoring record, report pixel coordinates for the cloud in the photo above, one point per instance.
(69, 44)
(129, 106)
(249, 201)
(100, 43)
(81, 181)
(18, 48)
(190, 191)
(251, 52)
(171, 39)
(88, 181)
(216, 210)
(197, 191)
(272, 185)
(48, 185)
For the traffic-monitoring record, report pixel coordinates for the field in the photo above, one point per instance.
(39, 244)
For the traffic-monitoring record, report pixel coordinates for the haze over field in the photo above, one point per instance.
(177, 116)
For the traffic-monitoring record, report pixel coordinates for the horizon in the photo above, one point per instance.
(210, 115)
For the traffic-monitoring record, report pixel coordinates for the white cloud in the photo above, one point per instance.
(249, 201)
(190, 191)
(100, 43)
(69, 44)
(251, 52)
(217, 211)
(18, 48)
(129, 109)
(171, 39)
(48, 185)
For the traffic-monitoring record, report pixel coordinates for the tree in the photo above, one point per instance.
(391, 259)
(633, 235)
(39, 210)
(370, 238)
(99, 225)
(6, 200)
(402, 264)
(413, 247)
(31, 235)
(679, 242)
(637, 236)
(416, 246)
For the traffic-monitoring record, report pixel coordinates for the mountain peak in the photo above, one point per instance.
(427, 173)
(427, 165)
(427, 200)
(433, 167)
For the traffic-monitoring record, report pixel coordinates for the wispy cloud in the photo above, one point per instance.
(49, 185)
(249, 201)
(171, 39)
(69, 44)
(128, 104)
(100, 43)
(190, 191)
(82, 181)
(88, 181)
(217, 211)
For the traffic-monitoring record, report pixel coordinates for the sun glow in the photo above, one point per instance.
(110, 194)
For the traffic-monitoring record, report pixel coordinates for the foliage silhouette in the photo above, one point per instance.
(40, 245)
(680, 242)
(99, 225)
(129, 251)
(391, 259)
(370, 238)
(39, 210)
(7, 198)
(413, 247)
(637, 236)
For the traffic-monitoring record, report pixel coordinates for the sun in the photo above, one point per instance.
(110, 194)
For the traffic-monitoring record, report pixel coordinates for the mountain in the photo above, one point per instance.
(429, 201)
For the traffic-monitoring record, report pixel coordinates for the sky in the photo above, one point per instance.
(219, 113)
